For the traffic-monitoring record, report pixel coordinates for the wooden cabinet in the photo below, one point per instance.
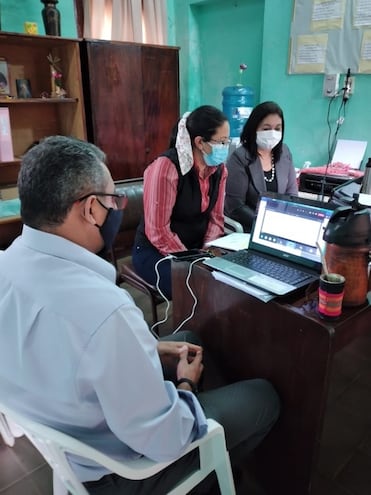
(34, 118)
(131, 101)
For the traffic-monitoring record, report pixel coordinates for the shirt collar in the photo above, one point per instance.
(208, 171)
(55, 245)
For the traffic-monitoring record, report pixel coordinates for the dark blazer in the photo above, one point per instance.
(246, 181)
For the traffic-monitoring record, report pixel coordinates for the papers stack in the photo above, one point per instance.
(234, 242)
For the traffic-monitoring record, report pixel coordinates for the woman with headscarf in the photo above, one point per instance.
(183, 195)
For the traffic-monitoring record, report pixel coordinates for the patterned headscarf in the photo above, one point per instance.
(183, 146)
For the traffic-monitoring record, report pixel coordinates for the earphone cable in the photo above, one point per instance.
(195, 300)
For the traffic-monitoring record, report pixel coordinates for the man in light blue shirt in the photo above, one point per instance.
(76, 352)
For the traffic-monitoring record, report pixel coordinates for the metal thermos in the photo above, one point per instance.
(348, 238)
(366, 181)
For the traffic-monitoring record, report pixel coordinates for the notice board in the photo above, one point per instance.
(330, 36)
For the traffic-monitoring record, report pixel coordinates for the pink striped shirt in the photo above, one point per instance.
(159, 197)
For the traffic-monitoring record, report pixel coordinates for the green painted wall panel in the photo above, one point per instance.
(212, 47)
(300, 95)
(230, 34)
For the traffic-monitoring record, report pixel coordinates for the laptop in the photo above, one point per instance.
(282, 255)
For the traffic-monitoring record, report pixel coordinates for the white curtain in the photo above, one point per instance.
(143, 21)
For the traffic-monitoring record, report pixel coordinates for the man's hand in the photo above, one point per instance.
(168, 349)
(184, 357)
(189, 369)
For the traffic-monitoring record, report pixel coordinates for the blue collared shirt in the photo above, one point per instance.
(77, 354)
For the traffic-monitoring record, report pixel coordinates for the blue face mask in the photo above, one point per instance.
(218, 155)
(110, 227)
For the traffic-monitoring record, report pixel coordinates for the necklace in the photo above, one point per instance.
(272, 171)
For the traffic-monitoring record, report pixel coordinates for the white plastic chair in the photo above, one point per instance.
(5, 431)
(54, 446)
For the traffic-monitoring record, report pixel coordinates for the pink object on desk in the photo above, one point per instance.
(335, 168)
(6, 144)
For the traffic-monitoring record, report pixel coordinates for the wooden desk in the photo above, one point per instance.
(284, 342)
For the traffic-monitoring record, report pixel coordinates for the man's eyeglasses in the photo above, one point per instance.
(119, 200)
(224, 142)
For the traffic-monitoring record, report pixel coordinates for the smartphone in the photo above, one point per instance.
(190, 255)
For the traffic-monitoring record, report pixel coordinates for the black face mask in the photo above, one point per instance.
(110, 227)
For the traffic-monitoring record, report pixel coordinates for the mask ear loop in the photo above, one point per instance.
(88, 211)
(107, 209)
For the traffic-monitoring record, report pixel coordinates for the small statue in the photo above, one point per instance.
(56, 77)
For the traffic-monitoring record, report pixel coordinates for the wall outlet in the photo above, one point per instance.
(331, 85)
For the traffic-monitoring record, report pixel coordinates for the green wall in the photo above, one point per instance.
(215, 36)
(301, 95)
(15, 12)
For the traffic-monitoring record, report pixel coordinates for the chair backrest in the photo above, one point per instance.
(231, 225)
(133, 188)
(10, 228)
(54, 445)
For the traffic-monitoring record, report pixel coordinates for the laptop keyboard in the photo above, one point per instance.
(268, 267)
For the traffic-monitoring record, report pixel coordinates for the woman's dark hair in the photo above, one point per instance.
(204, 121)
(248, 134)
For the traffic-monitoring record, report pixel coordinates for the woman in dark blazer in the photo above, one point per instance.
(262, 163)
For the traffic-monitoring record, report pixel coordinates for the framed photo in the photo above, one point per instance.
(23, 88)
(4, 78)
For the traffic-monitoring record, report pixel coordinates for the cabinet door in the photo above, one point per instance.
(160, 97)
(114, 106)
(132, 101)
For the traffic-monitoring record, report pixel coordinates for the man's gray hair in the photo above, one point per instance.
(54, 174)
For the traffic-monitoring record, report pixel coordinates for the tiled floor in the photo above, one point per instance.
(345, 455)
(345, 458)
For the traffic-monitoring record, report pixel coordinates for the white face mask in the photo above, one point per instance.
(267, 140)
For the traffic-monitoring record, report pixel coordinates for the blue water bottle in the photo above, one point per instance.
(238, 101)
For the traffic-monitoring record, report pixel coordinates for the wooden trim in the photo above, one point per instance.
(79, 15)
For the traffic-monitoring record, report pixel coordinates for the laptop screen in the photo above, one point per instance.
(290, 227)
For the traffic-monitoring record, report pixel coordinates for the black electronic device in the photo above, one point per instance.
(347, 86)
(313, 183)
(190, 255)
(343, 194)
